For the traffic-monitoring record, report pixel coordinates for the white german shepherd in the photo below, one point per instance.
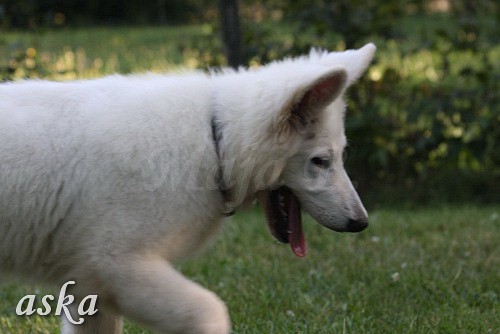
(108, 182)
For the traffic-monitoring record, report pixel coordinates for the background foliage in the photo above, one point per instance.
(424, 123)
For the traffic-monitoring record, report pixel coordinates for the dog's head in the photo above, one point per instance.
(313, 175)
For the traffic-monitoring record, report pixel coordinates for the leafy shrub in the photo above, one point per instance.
(426, 118)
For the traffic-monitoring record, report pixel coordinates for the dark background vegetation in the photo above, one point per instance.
(419, 133)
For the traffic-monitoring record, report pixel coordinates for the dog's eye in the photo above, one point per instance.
(322, 162)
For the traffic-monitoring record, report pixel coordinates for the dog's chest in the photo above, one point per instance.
(190, 238)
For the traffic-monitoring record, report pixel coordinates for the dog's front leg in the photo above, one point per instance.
(153, 293)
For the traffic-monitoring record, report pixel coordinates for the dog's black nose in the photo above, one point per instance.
(356, 225)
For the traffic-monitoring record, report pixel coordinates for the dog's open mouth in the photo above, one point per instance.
(282, 209)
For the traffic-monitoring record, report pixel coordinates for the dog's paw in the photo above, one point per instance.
(213, 317)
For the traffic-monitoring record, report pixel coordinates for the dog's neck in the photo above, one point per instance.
(250, 155)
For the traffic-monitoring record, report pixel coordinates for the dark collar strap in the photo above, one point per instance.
(224, 190)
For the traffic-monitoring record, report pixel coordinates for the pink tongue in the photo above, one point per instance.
(296, 237)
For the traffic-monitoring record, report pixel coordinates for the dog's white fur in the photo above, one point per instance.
(108, 181)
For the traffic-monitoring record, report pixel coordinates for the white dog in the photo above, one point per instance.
(107, 182)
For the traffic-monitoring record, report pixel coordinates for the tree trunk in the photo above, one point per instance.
(231, 34)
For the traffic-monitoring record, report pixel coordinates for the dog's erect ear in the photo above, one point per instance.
(354, 61)
(309, 101)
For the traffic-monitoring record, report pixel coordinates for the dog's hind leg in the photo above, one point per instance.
(100, 322)
(153, 293)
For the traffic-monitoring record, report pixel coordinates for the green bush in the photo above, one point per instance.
(426, 118)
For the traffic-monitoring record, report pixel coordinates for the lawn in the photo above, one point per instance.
(83, 53)
(427, 270)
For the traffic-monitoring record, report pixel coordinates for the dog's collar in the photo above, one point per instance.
(224, 190)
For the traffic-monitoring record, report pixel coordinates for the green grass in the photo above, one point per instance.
(92, 52)
(431, 270)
